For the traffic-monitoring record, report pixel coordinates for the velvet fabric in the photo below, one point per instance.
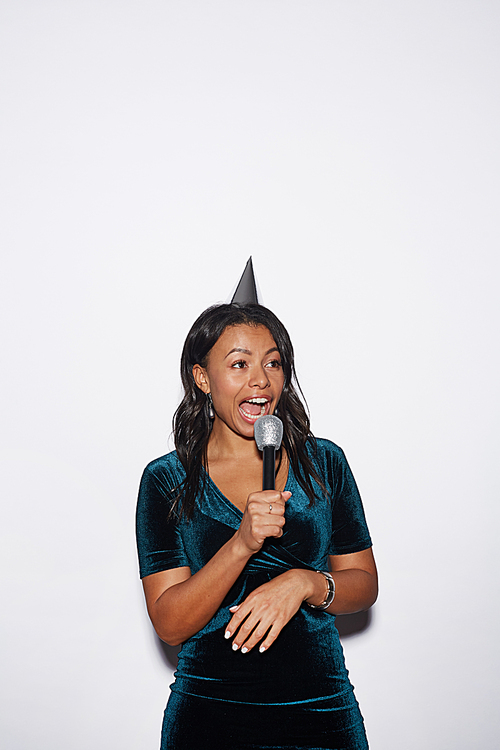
(297, 694)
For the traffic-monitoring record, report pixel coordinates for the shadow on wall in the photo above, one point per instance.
(167, 653)
(347, 625)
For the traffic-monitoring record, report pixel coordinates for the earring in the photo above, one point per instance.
(210, 407)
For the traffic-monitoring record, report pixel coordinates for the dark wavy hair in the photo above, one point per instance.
(192, 424)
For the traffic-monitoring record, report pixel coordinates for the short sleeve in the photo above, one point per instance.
(349, 528)
(159, 539)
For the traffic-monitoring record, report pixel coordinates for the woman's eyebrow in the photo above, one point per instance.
(247, 351)
(237, 349)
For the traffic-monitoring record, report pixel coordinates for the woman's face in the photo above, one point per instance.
(244, 376)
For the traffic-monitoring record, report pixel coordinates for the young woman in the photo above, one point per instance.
(239, 576)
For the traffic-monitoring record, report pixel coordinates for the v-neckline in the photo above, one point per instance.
(230, 502)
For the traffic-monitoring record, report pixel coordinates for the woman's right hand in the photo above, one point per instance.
(264, 517)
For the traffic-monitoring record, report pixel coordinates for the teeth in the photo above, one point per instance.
(250, 416)
(261, 401)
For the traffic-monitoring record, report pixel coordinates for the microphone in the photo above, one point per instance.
(268, 433)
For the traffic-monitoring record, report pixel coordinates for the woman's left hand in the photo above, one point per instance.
(263, 614)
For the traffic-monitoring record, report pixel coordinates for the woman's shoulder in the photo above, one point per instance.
(169, 460)
(322, 448)
(167, 467)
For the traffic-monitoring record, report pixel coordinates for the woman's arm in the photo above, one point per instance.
(180, 604)
(356, 582)
(267, 609)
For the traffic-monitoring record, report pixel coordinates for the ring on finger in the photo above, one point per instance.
(270, 508)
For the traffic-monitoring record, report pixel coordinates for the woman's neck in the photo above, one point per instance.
(226, 445)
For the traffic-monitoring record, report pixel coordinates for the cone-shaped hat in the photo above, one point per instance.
(246, 291)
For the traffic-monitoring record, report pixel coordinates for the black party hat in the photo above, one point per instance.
(246, 291)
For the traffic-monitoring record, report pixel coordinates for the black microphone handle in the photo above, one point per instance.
(268, 467)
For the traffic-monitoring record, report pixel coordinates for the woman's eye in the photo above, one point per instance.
(274, 363)
(239, 364)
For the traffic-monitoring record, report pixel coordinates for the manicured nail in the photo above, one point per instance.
(262, 649)
(244, 650)
(235, 647)
(234, 608)
(227, 634)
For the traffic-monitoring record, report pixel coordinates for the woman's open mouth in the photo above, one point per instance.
(254, 408)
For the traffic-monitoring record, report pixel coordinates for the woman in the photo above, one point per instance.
(239, 576)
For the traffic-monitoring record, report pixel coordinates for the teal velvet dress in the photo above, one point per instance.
(297, 694)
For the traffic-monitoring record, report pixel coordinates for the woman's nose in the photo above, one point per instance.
(259, 378)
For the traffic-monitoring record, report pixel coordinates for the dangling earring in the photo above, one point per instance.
(210, 407)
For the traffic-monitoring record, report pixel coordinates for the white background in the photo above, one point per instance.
(147, 149)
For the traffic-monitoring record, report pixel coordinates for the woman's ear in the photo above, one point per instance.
(201, 378)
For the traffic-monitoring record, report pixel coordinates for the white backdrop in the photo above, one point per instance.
(147, 149)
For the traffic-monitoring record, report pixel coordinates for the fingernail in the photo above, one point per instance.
(227, 634)
(235, 647)
(234, 608)
(262, 649)
(244, 650)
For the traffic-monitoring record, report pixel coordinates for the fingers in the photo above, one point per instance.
(252, 629)
(269, 506)
(264, 516)
(278, 507)
(259, 619)
(268, 501)
(271, 636)
(261, 634)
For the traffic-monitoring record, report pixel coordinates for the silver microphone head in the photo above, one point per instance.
(268, 430)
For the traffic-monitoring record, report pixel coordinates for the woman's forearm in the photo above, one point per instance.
(184, 608)
(260, 618)
(355, 590)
